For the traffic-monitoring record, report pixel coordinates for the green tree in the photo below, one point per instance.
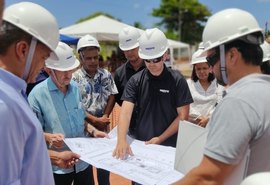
(138, 25)
(183, 19)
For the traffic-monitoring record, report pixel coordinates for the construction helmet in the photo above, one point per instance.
(35, 20)
(128, 38)
(199, 56)
(266, 51)
(87, 41)
(66, 59)
(262, 178)
(152, 44)
(231, 24)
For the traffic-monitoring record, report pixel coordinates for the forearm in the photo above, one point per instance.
(54, 157)
(47, 137)
(90, 118)
(110, 105)
(208, 172)
(171, 130)
(124, 120)
(183, 112)
(123, 125)
(90, 129)
(190, 179)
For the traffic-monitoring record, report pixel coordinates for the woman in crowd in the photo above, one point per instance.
(205, 90)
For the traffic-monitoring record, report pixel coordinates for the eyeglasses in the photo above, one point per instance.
(213, 59)
(155, 60)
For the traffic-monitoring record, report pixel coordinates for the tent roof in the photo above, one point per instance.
(104, 28)
(101, 27)
(69, 40)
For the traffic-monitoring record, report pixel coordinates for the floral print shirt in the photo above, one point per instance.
(95, 90)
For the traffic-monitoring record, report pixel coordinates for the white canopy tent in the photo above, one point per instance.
(101, 27)
(106, 29)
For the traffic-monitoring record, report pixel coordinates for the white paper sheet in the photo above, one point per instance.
(150, 165)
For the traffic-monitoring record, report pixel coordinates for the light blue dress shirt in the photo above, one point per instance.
(59, 113)
(24, 158)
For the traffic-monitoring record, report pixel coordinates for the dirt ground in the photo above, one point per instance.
(116, 180)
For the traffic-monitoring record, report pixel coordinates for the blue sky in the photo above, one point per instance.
(68, 12)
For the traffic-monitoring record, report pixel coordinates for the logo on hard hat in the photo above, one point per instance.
(150, 48)
(69, 57)
(128, 40)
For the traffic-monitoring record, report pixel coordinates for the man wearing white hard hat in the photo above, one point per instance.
(57, 104)
(205, 90)
(97, 88)
(129, 44)
(161, 95)
(241, 120)
(265, 66)
(28, 35)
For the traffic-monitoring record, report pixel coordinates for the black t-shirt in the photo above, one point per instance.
(157, 99)
(121, 77)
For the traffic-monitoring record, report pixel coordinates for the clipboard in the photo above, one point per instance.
(189, 152)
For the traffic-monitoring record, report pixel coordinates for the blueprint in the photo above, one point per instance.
(150, 165)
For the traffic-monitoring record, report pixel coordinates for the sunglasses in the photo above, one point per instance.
(213, 59)
(155, 60)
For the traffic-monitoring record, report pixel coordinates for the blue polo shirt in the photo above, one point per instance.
(59, 113)
(23, 153)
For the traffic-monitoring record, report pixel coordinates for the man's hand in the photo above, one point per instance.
(122, 150)
(202, 121)
(100, 134)
(101, 123)
(65, 159)
(55, 140)
(154, 140)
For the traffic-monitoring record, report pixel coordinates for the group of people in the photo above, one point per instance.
(78, 97)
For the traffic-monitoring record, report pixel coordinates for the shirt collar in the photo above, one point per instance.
(51, 85)
(13, 80)
(163, 73)
(131, 67)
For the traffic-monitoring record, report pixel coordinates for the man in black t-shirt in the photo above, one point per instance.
(128, 43)
(161, 96)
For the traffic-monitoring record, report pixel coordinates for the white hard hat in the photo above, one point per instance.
(152, 44)
(128, 38)
(228, 25)
(87, 41)
(35, 20)
(262, 178)
(266, 51)
(67, 60)
(199, 56)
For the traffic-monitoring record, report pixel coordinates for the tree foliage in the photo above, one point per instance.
(183, 19)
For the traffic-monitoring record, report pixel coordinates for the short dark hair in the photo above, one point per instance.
(195, 78)
(10, 34)
(251, 53)
(265, 67)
